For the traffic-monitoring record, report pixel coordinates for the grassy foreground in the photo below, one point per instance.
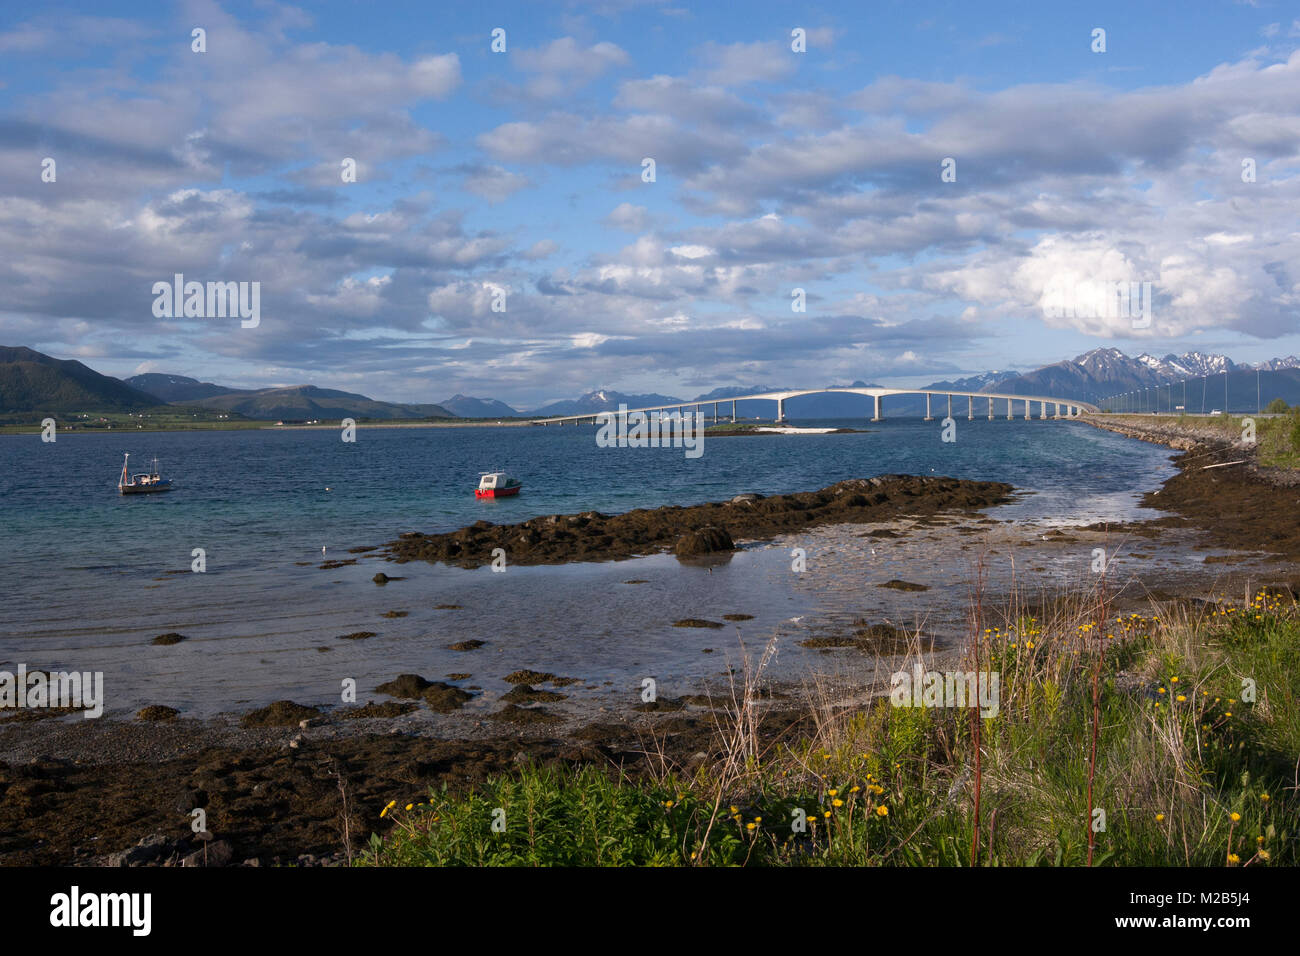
(1184, 728)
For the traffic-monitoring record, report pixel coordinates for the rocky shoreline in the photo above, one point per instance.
(696, 530)
(1219, 489)
(310, 793)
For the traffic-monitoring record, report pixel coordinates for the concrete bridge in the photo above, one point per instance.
(1062, 408)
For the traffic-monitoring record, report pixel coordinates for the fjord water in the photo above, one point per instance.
(93, 576)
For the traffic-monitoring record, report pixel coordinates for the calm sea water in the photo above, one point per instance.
(87, 580)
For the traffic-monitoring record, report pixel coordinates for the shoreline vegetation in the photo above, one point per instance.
(1168, 737)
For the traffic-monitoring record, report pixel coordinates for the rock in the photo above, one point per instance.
(191, 800)
(708, 540)
(898, 585)
(282, 713)
(408, 686)
(166, 640)
(148, 850)
(381, 578)
(218, 853)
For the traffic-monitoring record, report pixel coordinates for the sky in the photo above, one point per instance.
(928, 174)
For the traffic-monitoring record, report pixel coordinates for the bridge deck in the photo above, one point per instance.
(871, 392)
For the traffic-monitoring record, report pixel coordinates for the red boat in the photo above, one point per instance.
(495, 484)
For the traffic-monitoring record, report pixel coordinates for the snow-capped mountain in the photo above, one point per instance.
(1187, 365)
(603, 400)
(1274, 365)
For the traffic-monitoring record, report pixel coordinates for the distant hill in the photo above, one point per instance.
(303, 402)
(467, 407)
(178, 388)
(31, 382)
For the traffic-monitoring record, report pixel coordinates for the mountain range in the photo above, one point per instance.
(32, 383)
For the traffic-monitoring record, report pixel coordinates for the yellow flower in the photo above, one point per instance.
(1233, 858)
(1235, 817)
(384, 812)
(668, 804)
(832, 791)
(1180, 697)
(749, 826)
(410, 806)
(1263, 855)
(837, 803)
(1160, 818)
(1173, 680)
(1264, 797)
(882, 811)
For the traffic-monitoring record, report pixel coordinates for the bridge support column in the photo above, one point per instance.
(970, 408)
(733, 411)
(1010, 413)
(950, 406)
(1028, 415)
(1042, 411)
(928, 416)
(780, 409)
(715, 413)
(990, 409)
(877, 416)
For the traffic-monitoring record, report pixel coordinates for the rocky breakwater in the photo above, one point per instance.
(697, 529)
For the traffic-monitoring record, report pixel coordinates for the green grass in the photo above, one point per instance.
(1277, 438)
(1205, 780)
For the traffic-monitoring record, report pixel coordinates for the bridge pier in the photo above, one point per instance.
(1042, 411)
(877, 416)
(733, 411)
(950, 406)
(970, 408)
(990, 408)
(928, 416)
(1027, 413)
(1010, 413)
(780, 409)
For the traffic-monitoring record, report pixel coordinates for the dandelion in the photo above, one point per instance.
(1160, 818)
(837, 803)
(1264, 797)
(749, 826)
(384, 812)
(1235, 817)
(832, 792)
(1233, 858)
(1180, 698)
(410, 806)
(882, 811)
(1263, 855)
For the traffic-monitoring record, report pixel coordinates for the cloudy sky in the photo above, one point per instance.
(518, 178)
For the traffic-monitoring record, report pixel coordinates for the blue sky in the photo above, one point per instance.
(521, 171)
